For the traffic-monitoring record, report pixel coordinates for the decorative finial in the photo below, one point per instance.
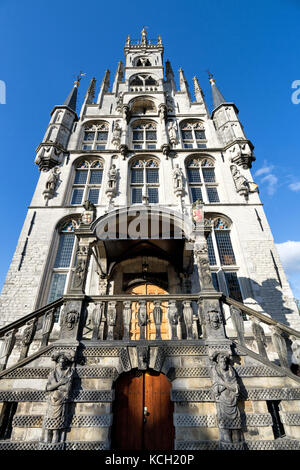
(144, 35)
(210, 76)
(78, 78)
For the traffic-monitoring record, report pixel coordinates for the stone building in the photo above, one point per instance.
(146, 306)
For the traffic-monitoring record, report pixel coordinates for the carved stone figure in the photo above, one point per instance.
(177, 180)
(79, 273)
(280, 346)
(112, 181)
(51, 183)
(111, 319)
(143, 357)
(162, 111)
(117, 133)
(71, 318)
(7, 345)
(213, 318)
(237, 318)
(126, 113)
(119, 103)
(157, 315)
(172, 133)
(97, 318)
(58, 386)
(27, 337)
(188, 318)
(126, 318)
(259, 336)
(142, 318)
(226, 392)
(202, 261)
(241, 183)
(173, 317)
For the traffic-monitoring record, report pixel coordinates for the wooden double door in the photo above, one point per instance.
(143, 412)
(148, 289)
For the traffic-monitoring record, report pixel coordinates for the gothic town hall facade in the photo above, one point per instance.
(146, 306)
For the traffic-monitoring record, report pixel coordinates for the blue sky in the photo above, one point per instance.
(252, 47)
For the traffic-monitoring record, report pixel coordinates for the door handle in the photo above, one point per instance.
(145, 411)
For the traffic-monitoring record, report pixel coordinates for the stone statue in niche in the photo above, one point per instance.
(162, 111)
(116, 138)
(51, 183)
(58, 386)
(112, 177)
(177, 180)
(172, 133)
(226, 392)
(119, 102)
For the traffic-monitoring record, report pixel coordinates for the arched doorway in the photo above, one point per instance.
(148, 289)
(142, 412)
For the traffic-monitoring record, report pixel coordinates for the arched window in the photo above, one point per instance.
(193, 134)
(144, 135)
(202, 180)
(143, 83)
(143, 62)
(63, 262)
(222, 258)
(95, 136)
(144, 183)
(87, 182)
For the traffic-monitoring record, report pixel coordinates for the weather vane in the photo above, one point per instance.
(80, 75)
(210, 75)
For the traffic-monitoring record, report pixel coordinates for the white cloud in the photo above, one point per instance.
(264, 170)
(289, 253)
(295, 186)
(271, 181)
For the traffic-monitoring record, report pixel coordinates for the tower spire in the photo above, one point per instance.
(71, 99)
(183, 83)
(198, 91)
(217, 96)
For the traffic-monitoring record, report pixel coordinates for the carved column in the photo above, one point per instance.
(111, 319)
(280, 346)
(259, 336)
(238, 322)
(98, 321)
(157, 315)
(142, 318)
(126, 319)
(173, 316)
(188, 318)
(7, 346)
(47, 326)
